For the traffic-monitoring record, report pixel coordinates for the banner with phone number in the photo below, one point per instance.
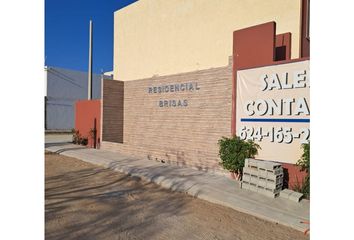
(273, 109)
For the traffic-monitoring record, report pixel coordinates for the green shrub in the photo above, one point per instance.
(84, 141)
(303, 187)
(304, 161)
(76, 137)
(233, 152)
(304, 164)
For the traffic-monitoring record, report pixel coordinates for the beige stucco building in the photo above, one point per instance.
(160, 37)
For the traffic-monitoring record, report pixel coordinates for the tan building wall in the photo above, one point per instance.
(185, 133)
(160, 37)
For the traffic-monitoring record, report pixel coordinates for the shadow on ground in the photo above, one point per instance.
(96, 203)
(84, 201)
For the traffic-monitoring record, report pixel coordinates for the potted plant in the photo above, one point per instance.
(233, 152)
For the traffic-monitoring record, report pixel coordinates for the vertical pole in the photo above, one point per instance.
(94, 134)
(90, 65)
(45, 96)
(45, 112)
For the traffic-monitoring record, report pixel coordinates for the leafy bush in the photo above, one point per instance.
(76, 137)
(84, 141)
(304, 164)
(304, 161)
(233, 152)
(303, 187)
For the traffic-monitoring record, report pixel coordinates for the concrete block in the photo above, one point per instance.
(263, 165)
(250, 171)
(245, 185)
(270, 181)
(246, 177)
(285, 193)
(254, 179)
(253, 187)
(274, 186)
(268, 193)
(262, 172)
(250, 162)
(246, 162)
(271, 185)
(279, 180)
(275, 182)
(295, 196)
(262, 182)
(278, 171)
(291, 195)
(274, 177)
(275, 190)
(266, 169)
(272, 171)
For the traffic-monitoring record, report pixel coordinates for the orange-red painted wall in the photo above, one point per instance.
(86, 111)
(292, 175)
(252, 47)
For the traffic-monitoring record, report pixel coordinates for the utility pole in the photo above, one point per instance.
(90, 65)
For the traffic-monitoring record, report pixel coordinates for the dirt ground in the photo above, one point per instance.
(84, 201)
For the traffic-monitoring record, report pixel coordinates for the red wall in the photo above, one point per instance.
(252, 47)
(305, 20)
(283, 41)
(86, 111)
(292, 175)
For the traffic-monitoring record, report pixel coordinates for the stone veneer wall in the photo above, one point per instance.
(185, 136)
(112, 111)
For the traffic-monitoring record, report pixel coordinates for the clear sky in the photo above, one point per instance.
(67, 33)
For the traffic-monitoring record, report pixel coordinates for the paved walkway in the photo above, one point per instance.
(213, 188)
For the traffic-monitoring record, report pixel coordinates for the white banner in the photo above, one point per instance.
(273, 109)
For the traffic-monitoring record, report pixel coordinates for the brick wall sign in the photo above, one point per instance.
(172, 89)
(177, 118)
(273, 109)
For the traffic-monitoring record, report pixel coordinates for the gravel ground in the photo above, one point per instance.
(84, 201)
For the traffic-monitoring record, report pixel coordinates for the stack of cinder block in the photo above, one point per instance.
(264, 177)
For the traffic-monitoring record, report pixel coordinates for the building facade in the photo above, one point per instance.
(177, 67)
(157, 37)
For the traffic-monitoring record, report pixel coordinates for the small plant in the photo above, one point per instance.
(304, 164)
(304, 161)
(302, 187)
(76, 136)
(84, 141)
(233, 152)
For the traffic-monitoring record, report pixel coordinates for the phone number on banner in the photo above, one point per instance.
(274, 134)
